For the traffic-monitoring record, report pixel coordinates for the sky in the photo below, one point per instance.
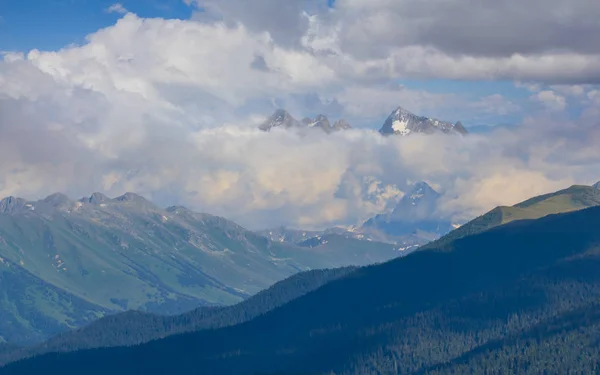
(163, 98)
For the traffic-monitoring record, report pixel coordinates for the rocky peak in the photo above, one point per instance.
(421, 190)
(57, 200)
(11, 204)
(280, 118)
(341, 125)
(321, 121)
(131, 197)
(403, 122)
(596, 185)
(95, 198)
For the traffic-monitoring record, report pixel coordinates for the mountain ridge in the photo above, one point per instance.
(573, 198)
(127, 253)
(283, 119)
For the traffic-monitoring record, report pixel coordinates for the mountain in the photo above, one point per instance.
(134, 327)
(574, 198)
(347, 238)
(281, 118)
(341, 125)
(32, 309)
(414, 213)
(288, 235)
(412, 223)
(473, 302)
(403, 122)
(71, 262)
(320, 121)
(596, 185)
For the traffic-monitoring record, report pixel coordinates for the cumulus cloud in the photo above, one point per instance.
(116, 8)
(550, 100)
(169, 108)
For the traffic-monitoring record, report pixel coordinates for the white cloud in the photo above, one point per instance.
(168, 108)
(570, 90)
(550, 100)
(116, 8)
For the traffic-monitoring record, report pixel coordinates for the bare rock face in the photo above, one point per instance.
(281, 118)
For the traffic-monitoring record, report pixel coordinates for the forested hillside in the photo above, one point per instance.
(135, 327)
(432, 311)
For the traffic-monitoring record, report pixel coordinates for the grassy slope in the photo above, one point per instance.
(32, 309)
(571, 199)
(133, 255)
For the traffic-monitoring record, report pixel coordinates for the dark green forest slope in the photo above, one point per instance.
(135, 327)
(423, 313)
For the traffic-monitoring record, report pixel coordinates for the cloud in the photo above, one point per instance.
(550, 100)
(116, 8)
(553, 42)
(169, 108)
(285, 21)
(499, 28)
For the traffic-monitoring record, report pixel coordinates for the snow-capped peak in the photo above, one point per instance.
(403, 122)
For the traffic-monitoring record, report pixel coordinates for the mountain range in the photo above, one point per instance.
(399, 122)
(519, 296)
(65, 263)
(413, 222)
(282, 119)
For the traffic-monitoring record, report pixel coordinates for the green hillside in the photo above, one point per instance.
(125, 253)
(574, 198)
(32, 309)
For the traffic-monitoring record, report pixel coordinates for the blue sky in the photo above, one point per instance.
(52, 24)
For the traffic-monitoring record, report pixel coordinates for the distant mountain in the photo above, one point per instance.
(70, 262)
(596, 185)
(282, 119)
(288, 235)
(341, 125)
(415, 213)
(519, 298)
(354, 238)
(412, 223)
(134, 327)
(403, 122)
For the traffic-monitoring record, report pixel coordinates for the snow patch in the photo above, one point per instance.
(401, 127)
